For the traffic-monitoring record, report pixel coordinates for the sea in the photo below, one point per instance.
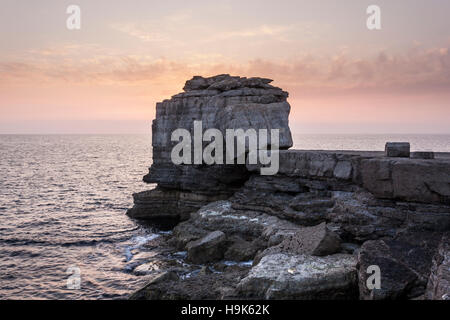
(64, 233)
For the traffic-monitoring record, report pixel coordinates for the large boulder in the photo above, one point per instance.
(287, 276)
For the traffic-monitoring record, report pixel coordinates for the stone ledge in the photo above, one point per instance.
(416, 180)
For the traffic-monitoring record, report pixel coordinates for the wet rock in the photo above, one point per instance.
(207, 249)
(286, 276)
(397, 149)
(205, 270)
(438, 287)
(146, 268)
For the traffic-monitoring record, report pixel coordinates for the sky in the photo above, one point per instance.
(128, 55)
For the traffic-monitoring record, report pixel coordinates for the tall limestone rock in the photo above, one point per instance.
(220, 102)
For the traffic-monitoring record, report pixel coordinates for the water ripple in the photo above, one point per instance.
(62, 203)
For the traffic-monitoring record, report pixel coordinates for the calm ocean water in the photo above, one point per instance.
(63, 201)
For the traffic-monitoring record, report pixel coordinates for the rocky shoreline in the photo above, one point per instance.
(309, 232)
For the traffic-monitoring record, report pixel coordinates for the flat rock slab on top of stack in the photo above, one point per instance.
(225, 82)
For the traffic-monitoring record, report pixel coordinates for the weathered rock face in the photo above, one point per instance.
(220, 102)
(360, 216)
(397, 149)
(285, 276)
(407, 179)
(169, 205)
(438, 287)
(416, 180)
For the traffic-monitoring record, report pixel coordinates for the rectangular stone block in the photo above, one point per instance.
(397, 149)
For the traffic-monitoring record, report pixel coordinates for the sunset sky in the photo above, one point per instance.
(341, 77)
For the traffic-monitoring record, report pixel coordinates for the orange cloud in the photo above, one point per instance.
(425, 70)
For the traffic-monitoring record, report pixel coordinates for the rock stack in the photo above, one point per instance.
(220, 102)
(309, 232)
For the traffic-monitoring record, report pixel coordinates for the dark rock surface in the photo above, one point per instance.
(169, 286)
(169, 204)
(404, 264)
